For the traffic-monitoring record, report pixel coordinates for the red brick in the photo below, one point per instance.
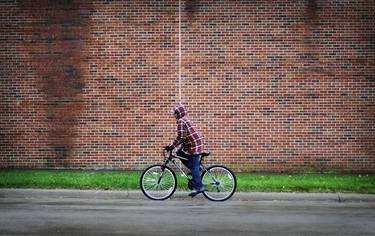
(274, 85)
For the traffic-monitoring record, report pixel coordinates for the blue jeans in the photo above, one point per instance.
(193, 164)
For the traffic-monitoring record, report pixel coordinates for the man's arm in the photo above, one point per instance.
(180, 134)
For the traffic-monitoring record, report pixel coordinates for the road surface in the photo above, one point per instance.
(46, 216)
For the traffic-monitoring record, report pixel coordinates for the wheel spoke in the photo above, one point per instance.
(158, 183)
(220, 183)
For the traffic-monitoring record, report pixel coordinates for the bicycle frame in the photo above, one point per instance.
(172, 158)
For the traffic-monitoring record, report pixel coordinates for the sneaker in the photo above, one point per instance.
(196, 192)
(190, 184)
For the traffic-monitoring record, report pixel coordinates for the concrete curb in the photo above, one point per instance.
(239, 196)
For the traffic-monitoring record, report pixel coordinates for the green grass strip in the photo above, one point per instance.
(306, 183)
(68, 179)
(247, 182)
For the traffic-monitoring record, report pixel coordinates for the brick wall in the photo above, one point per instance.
(274, 85)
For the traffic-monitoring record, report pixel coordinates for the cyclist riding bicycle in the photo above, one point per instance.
(191, 142)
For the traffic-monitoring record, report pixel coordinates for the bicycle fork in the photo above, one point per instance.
(162, 170)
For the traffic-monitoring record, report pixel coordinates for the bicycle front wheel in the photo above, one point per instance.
(158, 182)
(219, 182)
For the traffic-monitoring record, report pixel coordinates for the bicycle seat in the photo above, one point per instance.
(204, 154)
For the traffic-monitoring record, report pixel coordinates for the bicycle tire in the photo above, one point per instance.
(156, 188)
(220, 183)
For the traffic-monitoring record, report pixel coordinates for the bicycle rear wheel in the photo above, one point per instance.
(158, 182)
(219, 182)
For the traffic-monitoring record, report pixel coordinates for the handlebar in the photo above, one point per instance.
(165, 151)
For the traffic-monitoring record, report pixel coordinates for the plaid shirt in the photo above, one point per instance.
(187, 135)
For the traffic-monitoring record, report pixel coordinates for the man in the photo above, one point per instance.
(191, 142)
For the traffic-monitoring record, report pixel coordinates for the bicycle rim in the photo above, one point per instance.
(158, 184)
(219, 182)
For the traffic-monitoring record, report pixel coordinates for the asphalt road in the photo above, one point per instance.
(91, 216)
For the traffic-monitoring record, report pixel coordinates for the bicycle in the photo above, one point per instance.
(159, 182)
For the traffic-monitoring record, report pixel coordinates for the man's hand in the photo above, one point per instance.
(169, 147)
